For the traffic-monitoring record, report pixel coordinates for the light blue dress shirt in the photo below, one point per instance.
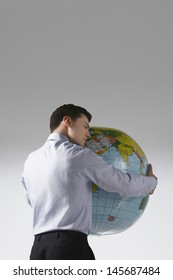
(58, 179)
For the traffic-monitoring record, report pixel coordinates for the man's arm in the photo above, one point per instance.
(111, 179)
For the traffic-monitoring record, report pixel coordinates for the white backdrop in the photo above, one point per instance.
(112, 57)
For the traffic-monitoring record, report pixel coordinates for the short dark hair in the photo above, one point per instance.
(70, 110)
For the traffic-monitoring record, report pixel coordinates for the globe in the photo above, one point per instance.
(112, 213)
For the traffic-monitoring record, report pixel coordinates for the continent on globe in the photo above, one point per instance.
(112, 213)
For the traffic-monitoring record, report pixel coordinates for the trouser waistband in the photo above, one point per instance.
(59, 233)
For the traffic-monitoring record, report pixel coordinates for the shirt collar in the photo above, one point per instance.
(57, 136)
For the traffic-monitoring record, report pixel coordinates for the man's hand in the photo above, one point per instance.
(150, 173)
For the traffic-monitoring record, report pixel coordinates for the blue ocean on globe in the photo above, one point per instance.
(112, 213)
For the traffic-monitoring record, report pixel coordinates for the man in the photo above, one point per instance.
(58, 179)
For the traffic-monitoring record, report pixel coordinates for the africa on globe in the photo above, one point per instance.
(112, 213)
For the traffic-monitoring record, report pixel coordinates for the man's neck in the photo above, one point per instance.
(61, 131)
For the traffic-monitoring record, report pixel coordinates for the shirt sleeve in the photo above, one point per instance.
(111, 179)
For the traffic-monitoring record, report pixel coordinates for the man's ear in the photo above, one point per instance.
(67, 121)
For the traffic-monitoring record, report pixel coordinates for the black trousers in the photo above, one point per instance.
(61, 245)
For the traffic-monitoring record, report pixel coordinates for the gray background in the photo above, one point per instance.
(115, 59)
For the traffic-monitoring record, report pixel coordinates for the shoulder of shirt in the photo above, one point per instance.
(76, 149)
(89, 154)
